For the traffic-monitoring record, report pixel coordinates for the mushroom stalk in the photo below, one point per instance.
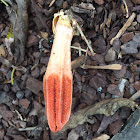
(57, 82)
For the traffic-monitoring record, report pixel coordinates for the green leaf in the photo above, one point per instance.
(4, 2)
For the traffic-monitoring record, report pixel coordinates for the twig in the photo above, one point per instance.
(27, 129)
(19, 115)
(77, 48)
(135, 96)
(108, 67)
(126, 8)
(52, 2)
(74, 23)
(123, 29)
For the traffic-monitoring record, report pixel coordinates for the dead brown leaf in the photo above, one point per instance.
(107, 107)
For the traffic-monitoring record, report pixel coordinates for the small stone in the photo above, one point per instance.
(5, 112)
(100, 44)
(98, 58)
(59, 3)
(15, 87)
(136, 38)
(37, 54)
(120, 73)
(91, 34)
(35, 73)
(58, 136)
(137, 85)
(138, 18)
(37, 105)
(130, 47)
(99, 10)
(45, 135)
(65, 5)
(2, 133)
(24, 103)
(37, 132)
(39, 26)
(34, 85)
(78, 77)
(113, 89)
(44, 60)
(127, 37)
(138, 55)
(18, 74)
(98, 81)
(20, 94)
(125, 112)
(6, 88)
(7, 138)
(32, 40)
(43, 70)
(99, 2)
(4, 123)
(1, 126)
(115, 127)
(28, 93)
(136, 1)
(110, 56)
(96, 126)
(88, 95)
(4, 98)
(116, 45)
(81, 106)
(73, 135)
(45, 44)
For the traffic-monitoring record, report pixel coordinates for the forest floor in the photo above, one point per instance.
(103, 99)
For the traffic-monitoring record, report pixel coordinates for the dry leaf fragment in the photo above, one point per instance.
(102, 137)
(107, 107)
(2, 51)
(44, 35)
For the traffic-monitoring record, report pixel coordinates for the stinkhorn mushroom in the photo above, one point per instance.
(57, 82)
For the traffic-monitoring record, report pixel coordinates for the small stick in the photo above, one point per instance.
(52, 2)
(19, 115)
(126, 8)
(77, 48)
(123, 29)
(135, 96)
(74, 22)
(109, 67)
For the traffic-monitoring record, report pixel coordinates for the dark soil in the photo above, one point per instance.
(22, 113)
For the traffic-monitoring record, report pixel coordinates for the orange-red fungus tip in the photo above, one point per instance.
(57, 82)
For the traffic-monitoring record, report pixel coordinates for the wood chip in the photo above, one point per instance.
(34, 85)
(78, 62)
